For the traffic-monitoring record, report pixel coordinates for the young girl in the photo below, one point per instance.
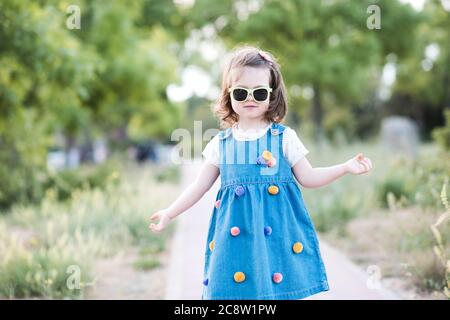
(261, 242)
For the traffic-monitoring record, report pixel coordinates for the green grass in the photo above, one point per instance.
(169, 174)
(153, 248)
(146, 263)
(40, 245)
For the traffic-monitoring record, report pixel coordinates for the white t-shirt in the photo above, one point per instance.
(293, 148)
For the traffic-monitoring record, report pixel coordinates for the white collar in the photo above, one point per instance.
(249, 134)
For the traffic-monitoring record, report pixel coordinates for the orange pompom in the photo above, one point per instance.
(239, 276)
(273, 190)
(297, 247)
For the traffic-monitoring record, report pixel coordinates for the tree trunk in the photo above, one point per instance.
(295, 118)
(317, 114)
(69, 141)
(446, 80)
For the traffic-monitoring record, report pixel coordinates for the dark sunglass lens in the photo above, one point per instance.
(260, 94)
(239, 94)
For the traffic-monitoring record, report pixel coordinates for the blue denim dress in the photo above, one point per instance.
(261, 242)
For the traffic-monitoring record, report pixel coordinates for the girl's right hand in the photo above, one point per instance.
(164, 220)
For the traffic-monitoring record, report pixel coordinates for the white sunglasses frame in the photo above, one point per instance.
(250, 92)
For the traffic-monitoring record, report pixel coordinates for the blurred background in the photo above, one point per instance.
(91, 92)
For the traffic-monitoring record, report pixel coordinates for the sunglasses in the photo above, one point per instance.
(259, 94)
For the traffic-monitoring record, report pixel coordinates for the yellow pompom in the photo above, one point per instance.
(211, 245)
(267, 155)
(297, 247)
(273, 189)
(239, 276)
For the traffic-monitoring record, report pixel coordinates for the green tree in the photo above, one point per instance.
(321, 45)
(109, 75)
(422, 89)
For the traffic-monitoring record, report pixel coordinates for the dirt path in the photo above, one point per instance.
(117, 279)
(347, 281)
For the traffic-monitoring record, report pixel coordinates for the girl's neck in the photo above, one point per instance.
(252, 124)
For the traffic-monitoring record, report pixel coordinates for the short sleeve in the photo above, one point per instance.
(211, 151)
(293, 148)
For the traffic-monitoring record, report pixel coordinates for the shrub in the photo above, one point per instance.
(442, 135)
(336, 208)
(397, 184)
(65, 182)
(415, 182)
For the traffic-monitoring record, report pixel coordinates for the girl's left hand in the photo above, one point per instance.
(358, 165)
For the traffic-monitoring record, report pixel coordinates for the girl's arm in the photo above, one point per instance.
(310, 177)
(194, 192)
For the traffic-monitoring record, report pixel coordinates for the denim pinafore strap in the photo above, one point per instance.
(238, 159)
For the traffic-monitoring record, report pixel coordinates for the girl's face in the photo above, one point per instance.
(250, 77)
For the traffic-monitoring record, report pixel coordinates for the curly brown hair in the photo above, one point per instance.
(252, 57)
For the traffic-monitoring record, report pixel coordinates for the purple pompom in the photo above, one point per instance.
(261, 161)
(239, 191)
(267, 231)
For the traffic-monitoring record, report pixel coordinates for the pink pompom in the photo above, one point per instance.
(235, 231)
(272, 162)
(277, 277)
